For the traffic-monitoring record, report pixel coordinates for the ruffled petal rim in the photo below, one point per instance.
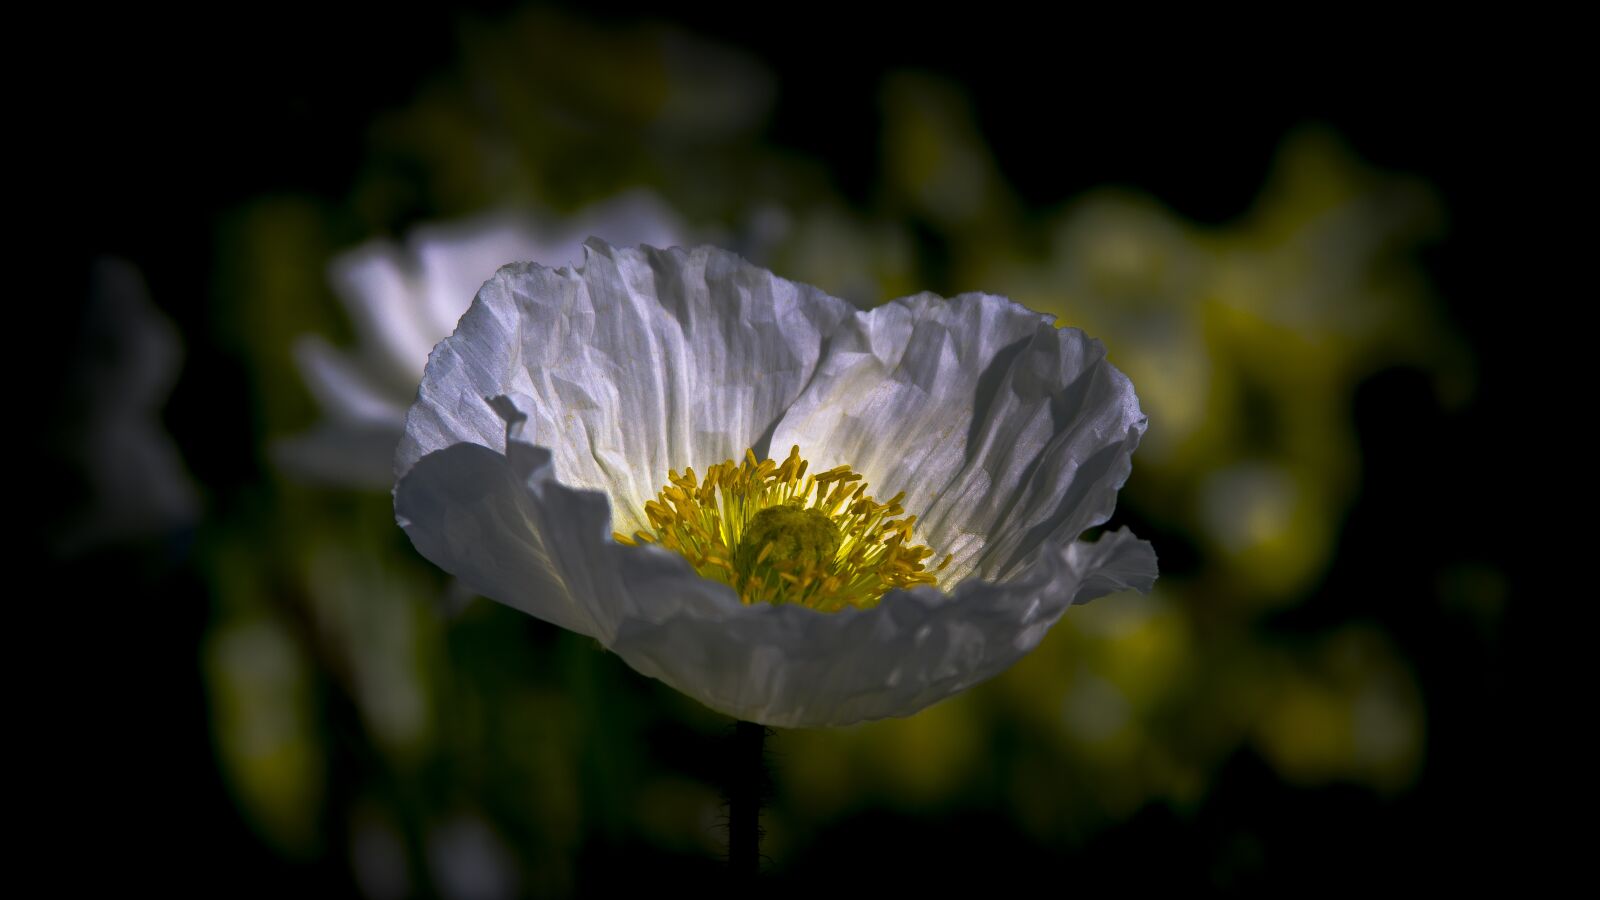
(790, 666)
(507, 528)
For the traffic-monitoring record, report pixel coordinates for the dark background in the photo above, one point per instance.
(186, 121)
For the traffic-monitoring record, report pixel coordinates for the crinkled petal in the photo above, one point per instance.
(505, 527)
(404, 300)
(638, 362)
(790, 666)
(456, 259)
(1005, 432)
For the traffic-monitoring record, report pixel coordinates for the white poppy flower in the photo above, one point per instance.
(541, 465)
(403, 300)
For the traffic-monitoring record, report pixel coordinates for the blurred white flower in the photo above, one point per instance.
(1004, 438)
(403, 300)
(132, 480)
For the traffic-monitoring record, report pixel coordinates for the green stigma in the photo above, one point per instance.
(802, 537)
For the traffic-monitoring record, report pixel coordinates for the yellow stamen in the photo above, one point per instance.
(777, 535)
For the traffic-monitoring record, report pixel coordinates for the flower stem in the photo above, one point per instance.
(747, 786)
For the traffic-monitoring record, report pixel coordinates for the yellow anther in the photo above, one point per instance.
(823, 542)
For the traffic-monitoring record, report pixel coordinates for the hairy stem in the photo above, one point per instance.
(747, 786)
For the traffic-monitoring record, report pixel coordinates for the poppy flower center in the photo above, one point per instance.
(777, 535)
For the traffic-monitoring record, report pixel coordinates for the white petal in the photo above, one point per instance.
(789, 666)
(638, 362)
(510, 531)
(457, 259)
(388, 309)
(1005, 432)
(1117, 562)
(342, 388)
(405, 301)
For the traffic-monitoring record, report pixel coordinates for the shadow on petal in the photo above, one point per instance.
(509, 530)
